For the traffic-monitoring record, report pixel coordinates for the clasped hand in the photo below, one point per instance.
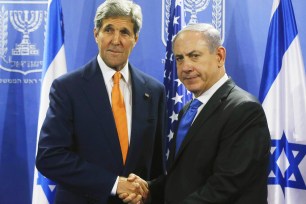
(132, 190)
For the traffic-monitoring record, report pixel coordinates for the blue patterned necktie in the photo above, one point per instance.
(186, 122)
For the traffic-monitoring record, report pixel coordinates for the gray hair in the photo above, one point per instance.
(119, 8)
(210, 34)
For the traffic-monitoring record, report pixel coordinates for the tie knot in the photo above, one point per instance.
(195, 104)
(116, 77)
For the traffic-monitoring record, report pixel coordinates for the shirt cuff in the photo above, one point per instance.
(114, 190)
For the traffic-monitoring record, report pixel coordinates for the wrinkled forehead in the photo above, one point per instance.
(120, 22)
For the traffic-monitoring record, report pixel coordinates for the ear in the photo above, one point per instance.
(135, 40)
(221, 55)
(96, 33)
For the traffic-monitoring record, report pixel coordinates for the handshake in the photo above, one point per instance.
(132, 190)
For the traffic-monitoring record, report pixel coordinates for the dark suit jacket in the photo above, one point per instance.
(79, 147)
(224, 156)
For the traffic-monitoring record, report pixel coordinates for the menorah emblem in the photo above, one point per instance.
(25, 24)
(194, 6)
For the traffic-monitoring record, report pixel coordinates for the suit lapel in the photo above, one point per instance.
(212, 105)
(96, 93)
(140, 97)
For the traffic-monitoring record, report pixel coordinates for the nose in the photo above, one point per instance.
(186, 66)
(116, 38)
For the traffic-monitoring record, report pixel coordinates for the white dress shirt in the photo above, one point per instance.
(126, 89)
(204, 97)
(125, 86)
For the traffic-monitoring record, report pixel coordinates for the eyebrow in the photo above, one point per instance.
(189, 53)
(193, 52)
(125, 29)
(121, 29)
(108, 26)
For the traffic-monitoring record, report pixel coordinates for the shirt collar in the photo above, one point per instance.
(208, 94)
(108, 72)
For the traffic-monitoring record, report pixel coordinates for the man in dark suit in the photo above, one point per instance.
(79, 146)
(223, 156)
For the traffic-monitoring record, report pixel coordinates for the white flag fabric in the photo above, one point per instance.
(283, 96)
(54, 65)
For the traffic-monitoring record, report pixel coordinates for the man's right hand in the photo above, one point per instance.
(132, 190)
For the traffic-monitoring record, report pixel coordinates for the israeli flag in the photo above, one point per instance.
(54, 65)
(283, 96)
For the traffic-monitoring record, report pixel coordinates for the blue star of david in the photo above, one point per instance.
(44, 182)
(288, 149)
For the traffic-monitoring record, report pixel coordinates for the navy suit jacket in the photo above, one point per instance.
(224, 157)
(78, 146)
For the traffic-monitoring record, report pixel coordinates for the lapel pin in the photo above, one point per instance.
(147, 95)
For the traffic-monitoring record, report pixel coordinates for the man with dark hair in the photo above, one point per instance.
(222, 143)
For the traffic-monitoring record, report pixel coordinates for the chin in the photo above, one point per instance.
(192, 88)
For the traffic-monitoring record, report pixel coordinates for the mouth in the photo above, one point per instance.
(190, 77)
(115, 51)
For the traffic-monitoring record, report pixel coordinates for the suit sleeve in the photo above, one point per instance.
(55, 156)
(242, 156)
(158, 160)
(156, 183)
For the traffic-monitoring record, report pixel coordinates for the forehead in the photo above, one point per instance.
(190, 40)
(118, 22)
